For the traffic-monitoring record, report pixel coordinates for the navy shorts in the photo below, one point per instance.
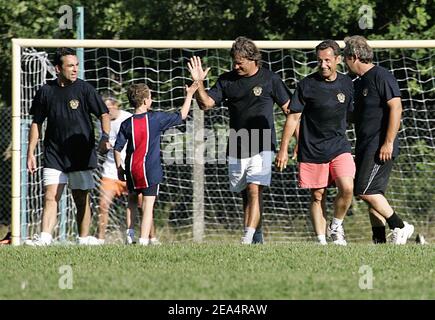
(150, 191)
(372, 175)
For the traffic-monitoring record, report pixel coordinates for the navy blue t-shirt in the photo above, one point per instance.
(142, 134)
(324, 106)
(250, 103)
(372, 91)
(69, 143)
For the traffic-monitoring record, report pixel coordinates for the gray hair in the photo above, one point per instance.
(246, 48)
(357, 46)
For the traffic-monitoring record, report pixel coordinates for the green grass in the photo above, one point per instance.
(218, 271)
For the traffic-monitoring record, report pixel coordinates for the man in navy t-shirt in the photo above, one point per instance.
(67, 104)
(378, 109)
(322, 100)
(249, 92)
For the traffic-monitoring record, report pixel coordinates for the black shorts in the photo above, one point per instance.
(372, 175)
(150, 191)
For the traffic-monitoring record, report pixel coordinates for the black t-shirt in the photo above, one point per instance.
(371, 115)
(69, 138)
(250, 102)
(324, 106)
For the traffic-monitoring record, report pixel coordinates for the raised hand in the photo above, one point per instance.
(192, 88)
(195, 69)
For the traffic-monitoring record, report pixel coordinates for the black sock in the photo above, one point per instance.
(395, 222)
(379, 235)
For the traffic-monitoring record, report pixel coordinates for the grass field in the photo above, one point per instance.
(218, 271)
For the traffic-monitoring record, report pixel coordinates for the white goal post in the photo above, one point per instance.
(19, 44)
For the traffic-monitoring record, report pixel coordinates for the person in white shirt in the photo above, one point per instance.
(111, 186)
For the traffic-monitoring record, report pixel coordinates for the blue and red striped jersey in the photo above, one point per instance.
(142, 134)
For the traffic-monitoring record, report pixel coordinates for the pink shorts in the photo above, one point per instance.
(321, 175)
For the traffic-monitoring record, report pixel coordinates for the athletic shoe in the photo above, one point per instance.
(129, 237)
(144, 242)
(337, 235)
(258, 237)
(401, 235)
(420, 239)
(37, 241)
(245, 240)
(88, 241)
(155, 242)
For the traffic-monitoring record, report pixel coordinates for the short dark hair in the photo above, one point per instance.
(329, 44)
(61, 52)
(246, 48)
(137, 93)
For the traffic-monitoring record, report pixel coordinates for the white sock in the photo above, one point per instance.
(321, 238)
(336, 223)
(249, 233)
(130, 232)
(153, 239)
(45, 236)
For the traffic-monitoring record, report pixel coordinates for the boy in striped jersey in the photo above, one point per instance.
(143, 169)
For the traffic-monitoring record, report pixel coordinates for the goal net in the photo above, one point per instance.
(194, 201)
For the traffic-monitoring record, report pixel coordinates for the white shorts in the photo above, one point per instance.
(82, 180)
(256, 170)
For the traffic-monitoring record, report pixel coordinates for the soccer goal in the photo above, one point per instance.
(194, 202)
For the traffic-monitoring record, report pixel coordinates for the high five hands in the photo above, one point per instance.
(196, 70)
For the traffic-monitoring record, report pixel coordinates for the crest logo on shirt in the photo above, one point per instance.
(365, 92)
(341, 97)
(74, 104)
(257, 91)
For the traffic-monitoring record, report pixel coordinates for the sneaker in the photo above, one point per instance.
(155, 242)
(337, 235)
(420, 239)
(258, 237)
(88, 241)
(129, 237)
(92, 241)
(401, 235)
(37, 241)
(245, 240)
(144, 242)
